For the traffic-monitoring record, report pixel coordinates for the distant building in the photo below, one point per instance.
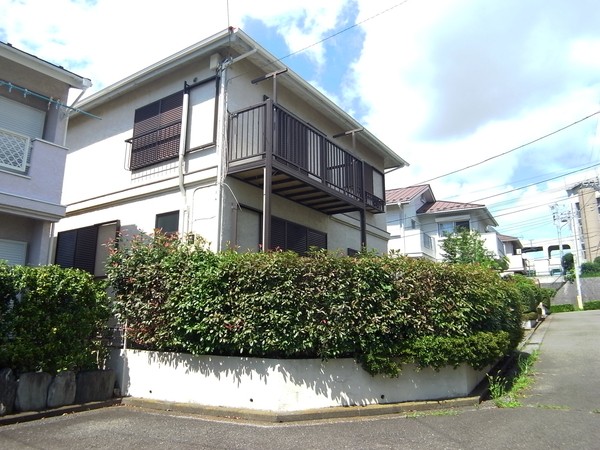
(33, 126)
(417, 222)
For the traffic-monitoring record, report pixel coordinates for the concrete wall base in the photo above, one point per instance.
(281, 385)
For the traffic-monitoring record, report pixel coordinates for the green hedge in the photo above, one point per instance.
(530, 294)
(593, 304)
(567, 307)
(49, 318)
(383, 311)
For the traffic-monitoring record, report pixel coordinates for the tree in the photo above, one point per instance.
(467, 247)
(567, 262)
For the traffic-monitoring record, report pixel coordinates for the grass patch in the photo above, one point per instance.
(596, 411)
(566, 408)
(506, 390)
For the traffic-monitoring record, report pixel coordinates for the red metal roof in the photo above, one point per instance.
(443, 206)
(404, 194)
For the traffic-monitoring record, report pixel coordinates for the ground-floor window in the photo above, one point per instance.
(84, 248)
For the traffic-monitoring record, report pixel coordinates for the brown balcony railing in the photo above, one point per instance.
(300, 149)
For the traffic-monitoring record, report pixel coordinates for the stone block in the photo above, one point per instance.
(94, 386)
(32, 391)
(8, 391)
(62, 389)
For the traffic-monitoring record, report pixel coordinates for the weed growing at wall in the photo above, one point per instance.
(174, 294)
(50, 318)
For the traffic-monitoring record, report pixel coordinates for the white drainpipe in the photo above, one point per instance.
(181, 161)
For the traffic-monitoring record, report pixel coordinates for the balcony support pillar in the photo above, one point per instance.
(267, 176)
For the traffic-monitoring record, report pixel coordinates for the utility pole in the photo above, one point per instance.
(575, 229)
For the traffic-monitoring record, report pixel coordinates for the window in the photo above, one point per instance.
(19, 124)
(13, 252)
(167, 222)
(374, 188)
(156, 131)
(83, 248)
(292, 236)
(450, 227)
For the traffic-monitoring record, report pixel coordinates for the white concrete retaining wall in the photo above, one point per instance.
(279, 385)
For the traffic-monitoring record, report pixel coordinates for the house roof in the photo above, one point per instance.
(445, 207)
(236, 40)
(47, 68)
(515, 240)
(402, 195)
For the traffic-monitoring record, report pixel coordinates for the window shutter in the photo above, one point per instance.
(77, 248)
(277, 234)
(21, 119)
(85, 249)
(296, 238)
(14, 252)
(65, 248)
(156, 131)
(316, 239)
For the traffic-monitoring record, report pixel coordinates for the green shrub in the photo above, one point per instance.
(50, 318)
(383, 311)
(567, 307)
(590, 269)
(593, 304)
(530, 294)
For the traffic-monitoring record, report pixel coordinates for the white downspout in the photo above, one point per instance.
(181, 160)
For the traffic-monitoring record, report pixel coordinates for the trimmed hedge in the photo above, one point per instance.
(49, 318)
(567, 307)
(590, 305)
(530, 294)
(176, 295)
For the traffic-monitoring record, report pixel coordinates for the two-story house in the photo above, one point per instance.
(224, 141)
(417, 223)
(33, 124)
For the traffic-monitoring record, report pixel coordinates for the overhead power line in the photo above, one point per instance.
(511, 150)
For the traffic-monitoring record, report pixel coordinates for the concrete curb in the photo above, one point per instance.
(343, 412)
(37, 415)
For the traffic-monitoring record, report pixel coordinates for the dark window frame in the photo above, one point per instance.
(163, 215)
(156, 131)
(77, 248)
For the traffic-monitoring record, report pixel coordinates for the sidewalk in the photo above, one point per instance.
(568, 367)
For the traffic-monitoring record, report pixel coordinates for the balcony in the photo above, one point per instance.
(306, 167)
(31, 176)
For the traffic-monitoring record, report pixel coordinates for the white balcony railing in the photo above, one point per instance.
(14, 151)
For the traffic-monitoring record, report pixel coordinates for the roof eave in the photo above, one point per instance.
(39, 65)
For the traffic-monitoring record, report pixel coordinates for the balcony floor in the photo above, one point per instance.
(298, 188)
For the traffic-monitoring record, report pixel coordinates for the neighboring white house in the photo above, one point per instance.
(221, 140)
(33, 124)
(543, 256)
(417, 222)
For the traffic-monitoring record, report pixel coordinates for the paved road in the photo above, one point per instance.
(558, 414)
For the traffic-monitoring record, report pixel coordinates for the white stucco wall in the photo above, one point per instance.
(278, 385)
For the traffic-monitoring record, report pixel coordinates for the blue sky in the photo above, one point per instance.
(444, 83)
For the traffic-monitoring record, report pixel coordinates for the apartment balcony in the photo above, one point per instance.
(31, 176)
(306, 167)
(415, 244)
